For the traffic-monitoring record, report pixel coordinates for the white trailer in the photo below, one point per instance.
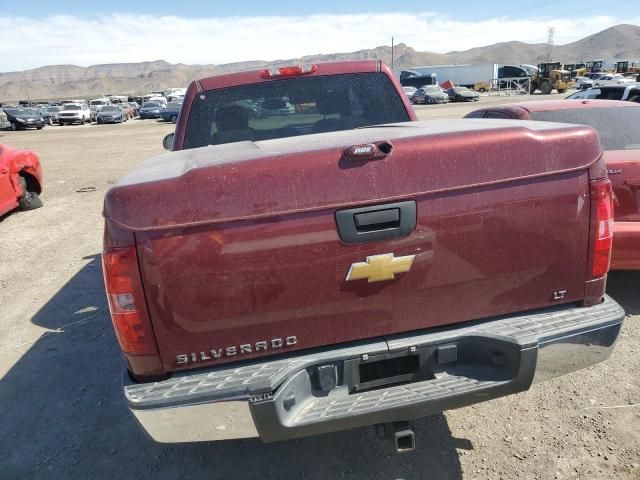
(478, 76)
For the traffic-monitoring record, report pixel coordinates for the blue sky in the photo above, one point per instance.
(463, 9)
(35, 32)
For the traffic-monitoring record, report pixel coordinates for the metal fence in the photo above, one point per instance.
(511, 86)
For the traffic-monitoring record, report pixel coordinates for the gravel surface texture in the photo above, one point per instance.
(62, 415)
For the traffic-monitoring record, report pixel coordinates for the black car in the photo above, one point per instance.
(462, 94)
(21, 119)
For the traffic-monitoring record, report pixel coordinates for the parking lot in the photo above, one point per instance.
(61, 411)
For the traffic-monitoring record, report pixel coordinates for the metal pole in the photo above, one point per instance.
(392, 54)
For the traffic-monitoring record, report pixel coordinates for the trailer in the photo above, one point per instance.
(411, 78)
(478, 77)
(481, 77)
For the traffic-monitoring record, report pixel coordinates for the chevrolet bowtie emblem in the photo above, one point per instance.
(380, 267)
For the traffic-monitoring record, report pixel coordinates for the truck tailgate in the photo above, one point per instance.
(241, 256)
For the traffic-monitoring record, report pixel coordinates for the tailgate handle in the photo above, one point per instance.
(376, 222)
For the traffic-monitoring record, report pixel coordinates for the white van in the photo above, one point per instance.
(159, 100)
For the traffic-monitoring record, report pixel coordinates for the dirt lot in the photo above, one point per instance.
(62, 415)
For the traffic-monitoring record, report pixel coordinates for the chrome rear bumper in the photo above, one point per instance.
(461, 365)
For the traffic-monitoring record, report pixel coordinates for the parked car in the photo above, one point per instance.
(74, 113)
(462, 94)
(111, 114)
(96, 104)
(620, 137)
(50, 114)
(21, 119)
(359, 276)
(582, 83)
(627, 92)
(160, 100)
(128, 110)
(5, 124)
(430, 94)
(20, 179)
(409, 91)
(150, 110)
(612, 79)
(135, 106)
(171, 112)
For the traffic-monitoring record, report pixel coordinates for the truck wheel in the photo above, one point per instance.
(174, 119)
(545, 88)
(28, 200)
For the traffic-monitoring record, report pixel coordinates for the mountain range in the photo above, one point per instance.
(60, 81)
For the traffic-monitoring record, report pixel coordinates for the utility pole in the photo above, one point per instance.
(550, 44)
(392, 54)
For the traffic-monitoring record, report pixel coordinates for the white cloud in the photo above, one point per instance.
(27, 43)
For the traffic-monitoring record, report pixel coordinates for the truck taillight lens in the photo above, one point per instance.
(126, 301)
(602, 208)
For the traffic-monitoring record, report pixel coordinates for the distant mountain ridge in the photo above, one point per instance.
(60, 81)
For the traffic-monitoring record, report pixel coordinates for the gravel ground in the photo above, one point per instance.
(62, 415)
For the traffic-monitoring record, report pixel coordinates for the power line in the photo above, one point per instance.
(533, 6)
(573, 14)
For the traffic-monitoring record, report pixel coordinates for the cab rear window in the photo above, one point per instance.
(291, 107)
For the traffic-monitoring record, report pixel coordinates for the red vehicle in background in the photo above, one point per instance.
(20, 180)
(617, 124)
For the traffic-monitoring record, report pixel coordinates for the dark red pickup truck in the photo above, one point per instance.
(291, 269)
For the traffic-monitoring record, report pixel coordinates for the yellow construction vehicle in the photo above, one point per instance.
(576, 69)
(623, 67)
(595, 66)
(551, 76)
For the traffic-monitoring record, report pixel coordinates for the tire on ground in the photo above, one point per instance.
(29, 200)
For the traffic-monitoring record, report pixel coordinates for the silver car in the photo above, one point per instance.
(111, 114)
(429, 94)
(4, 122)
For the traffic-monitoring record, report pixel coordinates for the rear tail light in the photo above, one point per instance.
(292, 71)
(602, 226)
(126, 301)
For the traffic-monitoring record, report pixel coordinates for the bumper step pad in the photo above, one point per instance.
(388, 398)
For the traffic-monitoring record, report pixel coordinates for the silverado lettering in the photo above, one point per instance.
(212, 354)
